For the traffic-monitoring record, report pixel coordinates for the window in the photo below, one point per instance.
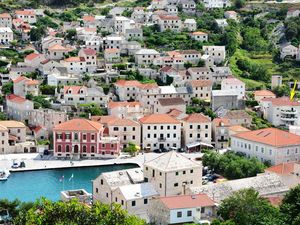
(116, 128)
(176, 173)
(97, 190)
(160, 185)
(191, 126)
(133, 203)
(122, 202)
(183, 172)
(202, 210)
(84, 136)
(59, 148)
(106, 195)
(189, 213)
(176, 185)
(67, 148)
(145, 201)
(192, 171)
(101, 181)
(179, 214)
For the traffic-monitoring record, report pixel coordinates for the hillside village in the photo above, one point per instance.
(170, 77)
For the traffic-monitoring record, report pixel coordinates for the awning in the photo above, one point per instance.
(195, 144)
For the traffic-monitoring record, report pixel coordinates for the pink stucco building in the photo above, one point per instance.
(82, 138)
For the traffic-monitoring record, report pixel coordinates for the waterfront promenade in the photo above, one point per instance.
(33, 161)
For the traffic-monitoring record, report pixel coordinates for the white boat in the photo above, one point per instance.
(4, 174)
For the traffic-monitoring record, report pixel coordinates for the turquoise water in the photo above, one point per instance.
(31, 185)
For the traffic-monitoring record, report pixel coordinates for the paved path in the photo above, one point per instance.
(34, 162)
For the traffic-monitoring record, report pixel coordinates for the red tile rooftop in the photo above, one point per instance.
(159, 119)
(282, 101)
(270, 136)
(187, 201)
(79, 125)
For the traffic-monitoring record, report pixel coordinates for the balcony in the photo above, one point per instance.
(290, 118)
(289, 112)
(161, 139)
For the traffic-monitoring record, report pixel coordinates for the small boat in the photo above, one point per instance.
(4, 174)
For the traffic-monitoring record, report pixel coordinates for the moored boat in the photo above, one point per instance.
(4, 174)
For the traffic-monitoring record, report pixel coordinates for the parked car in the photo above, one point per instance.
(15, 165)
(157, 151)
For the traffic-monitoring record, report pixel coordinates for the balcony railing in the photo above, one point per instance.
(161, 139)
(289, 118)
(286, 111)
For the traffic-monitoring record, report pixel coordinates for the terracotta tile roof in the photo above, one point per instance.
(148, 86)
(103, 119)
(122, 122)
(12, 123)
(270, 136)
(89, 51)
(232, 81)
(19, 79)
(37, 129)
(32, 82)
(15, 98)
(159, 119)
(171, 101)
(187, 201)
(31, 56)
(128, 83)
(175, 113)
(191, 51)
(166, 69)
(112, 105)
(169, 17)
(74, 89)
(75, 59)
(238, 128)
(25, 12)
(3, 128)
(283, 168)
(79, 125)
(111, 50)
(5, 15)
(283, 101)
(201, 83)
(199, 33)
(237, 114)
(197, 118)
(264, 93)
(88, 18)
(57, 47)
(221, 122)
(274, 200)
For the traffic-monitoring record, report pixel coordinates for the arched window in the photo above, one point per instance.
(93, 149)
(84, 148)
(68, 148)
(59, 148)
(76, 149)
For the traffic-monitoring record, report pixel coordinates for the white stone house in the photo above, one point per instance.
(27, 15)
(5, 20)
(169, 22)
(181, 209)
(145, 56)
(6, 35)
(269, 144)
(160, 131)
(190, 24)
(18, 108)
(75, 65)
(235, 85)
(90, 57)
(24, 86)
(199, 36)
(218, 53)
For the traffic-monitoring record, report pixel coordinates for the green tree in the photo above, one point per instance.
(246, 207)
(36, 33)
(8, 88)
(239, 3)
(46, 212)
(290, 207)
(131, 148)
(71, 34)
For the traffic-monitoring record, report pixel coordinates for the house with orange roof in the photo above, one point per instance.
(130, 110)
(269, 144)
(24, 86)
(220, 133)
(127, 130)
(34, 60)
(49, 41)
(74, 95)
(57, 51)
(281, 111)
(182, 209)
(18, 108)
(82, 138)
(13, 138)
(127, 89)
(231, 15)
(199, 36)
(5, 20)
(196, 132)
(261, 94)
(165, 105)
(75, 65)
(90, 58)
(288, 171)
(160, 131)
(27, 15)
